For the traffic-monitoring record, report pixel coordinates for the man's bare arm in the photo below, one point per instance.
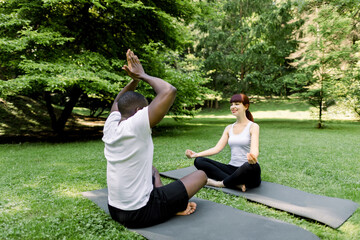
(165, 92)
(131, 86)
(165, 96)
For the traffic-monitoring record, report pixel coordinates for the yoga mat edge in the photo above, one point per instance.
(327, 210)
(214, 221)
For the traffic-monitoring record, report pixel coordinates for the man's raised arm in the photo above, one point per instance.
(131, 86)
(165, 92)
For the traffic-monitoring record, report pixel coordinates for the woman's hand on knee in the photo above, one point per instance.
(251, 158)
(190, 154)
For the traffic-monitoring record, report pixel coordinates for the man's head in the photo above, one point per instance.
(130, 102)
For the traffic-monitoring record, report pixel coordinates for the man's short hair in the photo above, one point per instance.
(130, 101)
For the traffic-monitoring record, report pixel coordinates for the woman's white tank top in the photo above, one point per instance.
(239, 145)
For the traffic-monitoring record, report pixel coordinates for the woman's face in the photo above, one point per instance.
(237, 108)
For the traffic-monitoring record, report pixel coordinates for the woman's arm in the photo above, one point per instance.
(212, 151)
(254, 146)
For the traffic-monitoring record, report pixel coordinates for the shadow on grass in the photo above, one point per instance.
(67, 136)
(26, 120)
(21, 114)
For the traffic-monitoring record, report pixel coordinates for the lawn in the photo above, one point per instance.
(41, 183)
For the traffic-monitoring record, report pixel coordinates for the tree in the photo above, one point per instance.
(245, 45)
(329, 57)
(350, 90)
(59, 51)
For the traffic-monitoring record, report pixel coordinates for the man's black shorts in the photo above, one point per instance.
(164, 202)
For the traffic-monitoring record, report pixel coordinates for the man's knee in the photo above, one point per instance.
(202, 176)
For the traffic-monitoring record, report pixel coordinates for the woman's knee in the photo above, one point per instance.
(254, 183)
(199, 162)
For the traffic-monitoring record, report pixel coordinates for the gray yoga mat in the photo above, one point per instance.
(327, 210)
(214, 221)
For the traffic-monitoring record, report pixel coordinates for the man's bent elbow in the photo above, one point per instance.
(172, 91)
(168, 94)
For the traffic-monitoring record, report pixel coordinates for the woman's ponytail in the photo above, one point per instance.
(249, 115)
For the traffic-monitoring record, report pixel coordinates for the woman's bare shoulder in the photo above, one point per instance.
(227, 128)
(254, 126)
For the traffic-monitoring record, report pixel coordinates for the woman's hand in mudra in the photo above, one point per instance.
(251, 158)
(190, 154)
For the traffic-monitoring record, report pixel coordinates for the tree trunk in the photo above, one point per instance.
(50, 109)
(242, 77)
(75, 94)
(320, 124)
(58, 125)
(357, 110)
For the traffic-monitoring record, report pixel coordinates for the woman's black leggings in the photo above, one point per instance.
(248, 174)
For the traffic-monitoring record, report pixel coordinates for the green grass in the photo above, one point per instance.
(41, 183)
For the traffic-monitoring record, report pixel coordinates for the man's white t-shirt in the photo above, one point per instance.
(129, 152)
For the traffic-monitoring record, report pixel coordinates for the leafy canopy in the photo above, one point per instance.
(60, 51)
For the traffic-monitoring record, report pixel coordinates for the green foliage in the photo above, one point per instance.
(191, 91)
(64, 51)
(348, 90)
(330, 59)
(91, 71)
(245, 45)
(183, 72)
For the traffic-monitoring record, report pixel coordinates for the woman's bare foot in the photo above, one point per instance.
(242, 187)
(191, 207)
(214, 183)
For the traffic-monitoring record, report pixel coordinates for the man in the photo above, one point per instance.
(136, 196)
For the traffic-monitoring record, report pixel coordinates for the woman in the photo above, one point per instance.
(243, 170)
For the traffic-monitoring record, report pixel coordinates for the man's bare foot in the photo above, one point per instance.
(191, 207)
(242, 187)
(214, 183)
